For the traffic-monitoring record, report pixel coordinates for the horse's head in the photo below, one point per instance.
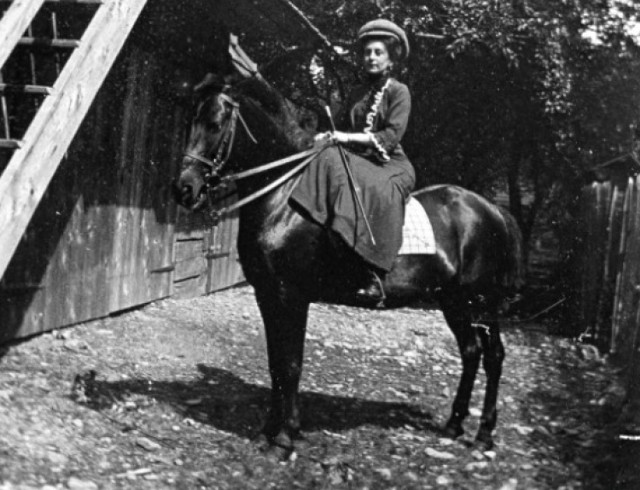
(218, 122)
(209, 142)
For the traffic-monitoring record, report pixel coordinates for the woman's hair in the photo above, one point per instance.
(394, 47)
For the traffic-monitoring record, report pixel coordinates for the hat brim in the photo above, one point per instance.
(380, 33)
(386, 33)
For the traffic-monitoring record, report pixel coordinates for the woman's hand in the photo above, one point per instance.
(340, 137)
(322, 136)
(334, 136)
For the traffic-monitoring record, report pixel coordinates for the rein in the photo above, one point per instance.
(224, 153)
(308, 155)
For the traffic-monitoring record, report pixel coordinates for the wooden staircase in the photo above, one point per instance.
(38, 152)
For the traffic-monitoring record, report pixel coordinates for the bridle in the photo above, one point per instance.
(226, 141)
(223, 154)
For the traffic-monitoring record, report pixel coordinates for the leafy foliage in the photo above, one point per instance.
(523, 95)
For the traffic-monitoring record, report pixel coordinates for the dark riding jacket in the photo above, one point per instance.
(382, 172)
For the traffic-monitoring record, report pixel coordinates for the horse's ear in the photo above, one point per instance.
(232, 78)
(211, 80)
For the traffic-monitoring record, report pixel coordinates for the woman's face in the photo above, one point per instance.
(376, 58)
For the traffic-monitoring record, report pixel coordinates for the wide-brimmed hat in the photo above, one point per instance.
(384, 27)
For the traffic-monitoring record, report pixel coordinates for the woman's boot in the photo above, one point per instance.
(373, 292)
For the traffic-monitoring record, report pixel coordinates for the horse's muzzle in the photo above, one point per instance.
(185, 195)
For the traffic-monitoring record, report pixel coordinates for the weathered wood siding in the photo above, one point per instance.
(610, 295)
(106, 235)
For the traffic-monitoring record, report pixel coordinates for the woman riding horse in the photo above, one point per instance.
(376, 116)
(292, 257)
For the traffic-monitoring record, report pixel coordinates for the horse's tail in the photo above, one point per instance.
(513, 274)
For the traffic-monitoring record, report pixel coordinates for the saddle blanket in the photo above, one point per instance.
(417, 232)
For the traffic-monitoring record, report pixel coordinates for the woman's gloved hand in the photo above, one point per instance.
(334, 136)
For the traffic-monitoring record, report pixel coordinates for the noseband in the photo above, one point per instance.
(226, 141)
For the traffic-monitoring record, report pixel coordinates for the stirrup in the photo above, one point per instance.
(374, 292)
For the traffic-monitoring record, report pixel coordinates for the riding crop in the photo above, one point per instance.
(352, 181)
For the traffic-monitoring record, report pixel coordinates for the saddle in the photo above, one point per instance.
(417, 232)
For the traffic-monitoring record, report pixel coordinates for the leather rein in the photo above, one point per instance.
(224, 153)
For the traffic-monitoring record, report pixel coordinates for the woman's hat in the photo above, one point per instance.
(384, 27)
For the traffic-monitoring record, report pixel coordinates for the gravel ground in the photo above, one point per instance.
(173, 396)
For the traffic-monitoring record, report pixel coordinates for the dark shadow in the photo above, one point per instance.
(230, 404)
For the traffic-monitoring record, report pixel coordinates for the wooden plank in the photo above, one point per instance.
(592, 264)
(627, 292)
(601, 259)
(190, 268)
(10, 144)
(142, 265)
(190, 287)
(128, 217)
(13, 23)
(631, 308)
(6, 88)
(31, 167)
(610, 260)
(44, 42)
(619, 293)
(222, 252)
(188, 249)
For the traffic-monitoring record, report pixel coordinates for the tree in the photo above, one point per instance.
(522, 95)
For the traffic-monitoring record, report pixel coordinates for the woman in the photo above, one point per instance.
(373, 121)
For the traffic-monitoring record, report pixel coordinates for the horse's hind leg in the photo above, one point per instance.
(285, 321)
(457, 312)
(493, 356)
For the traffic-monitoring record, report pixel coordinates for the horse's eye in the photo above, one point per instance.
(212, 126)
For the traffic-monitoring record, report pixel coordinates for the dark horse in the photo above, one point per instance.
(292, 261)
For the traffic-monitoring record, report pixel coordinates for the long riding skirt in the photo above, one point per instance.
(325, 193)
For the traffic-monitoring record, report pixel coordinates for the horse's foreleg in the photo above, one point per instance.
(458, 315)
(493, 356)
(285, 324)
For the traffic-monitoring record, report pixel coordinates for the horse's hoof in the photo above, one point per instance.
(279, 448)
(453, 431)
(277, 454)
(483, 442)
(263, 442)
(271, 428)
(302, 444)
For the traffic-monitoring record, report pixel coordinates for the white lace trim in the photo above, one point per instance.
(371, 116)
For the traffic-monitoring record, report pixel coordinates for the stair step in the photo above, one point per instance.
(43, 42)
(11, 144)
(10, 88)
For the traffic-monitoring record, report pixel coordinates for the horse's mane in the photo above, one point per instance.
(294, 124)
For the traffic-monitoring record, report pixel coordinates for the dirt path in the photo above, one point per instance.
(171, 396)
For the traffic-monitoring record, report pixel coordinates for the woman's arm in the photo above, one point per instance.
(389, 132)
(393, 126)
(364, 139)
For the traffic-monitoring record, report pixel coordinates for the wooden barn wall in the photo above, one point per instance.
(106, 235)
(206, 256)
(610, 296)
